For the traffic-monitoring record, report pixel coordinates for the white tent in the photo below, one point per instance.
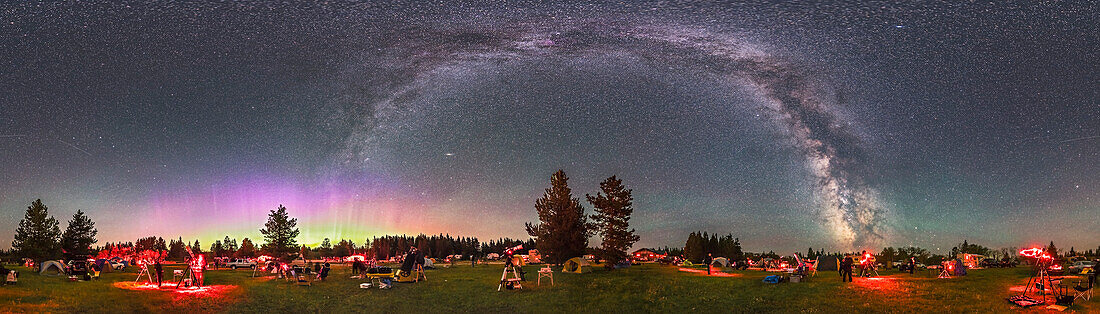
(52, 268)
(720, 262)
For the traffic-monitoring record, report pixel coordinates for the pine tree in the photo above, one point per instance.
(1052, 250)
(229, 245)
(176, 249)
(326, 248)
(342, 249)
(694, 249)
(79, 235)
(612, 220)
(38, 236)
(196, 248)
(563, 228)
(216, 248)
(279, 233)
(247, 249)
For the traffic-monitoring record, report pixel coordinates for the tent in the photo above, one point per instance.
(720, 262)
(104, 265)
(577, 265)
(52, 268)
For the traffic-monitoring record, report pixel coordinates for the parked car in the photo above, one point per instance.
(1078, 266)
(241, 263)
(116, 265)
(989, 263)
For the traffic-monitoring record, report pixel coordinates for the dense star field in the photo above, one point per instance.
(788, 125)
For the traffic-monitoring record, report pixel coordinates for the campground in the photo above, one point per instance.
(644, 288)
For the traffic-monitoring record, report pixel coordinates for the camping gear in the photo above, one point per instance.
(773, 279)
(52, 268)
(546, 272)
(380, 270)
(720, 262)
(1085, 291)
(12, 278)
(576, 265)
(300, 278)
(1023, 301)
(378, 278)
(1065, 300)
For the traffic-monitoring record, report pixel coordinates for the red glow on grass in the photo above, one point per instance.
(205, 291)
(713, 273)
(878, 283)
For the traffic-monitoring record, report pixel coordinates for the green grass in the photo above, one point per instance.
(646, 288)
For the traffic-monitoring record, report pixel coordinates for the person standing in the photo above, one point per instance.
(846, 268)
(158, 269)
(912, 264)
(863, 263)
(708, 260)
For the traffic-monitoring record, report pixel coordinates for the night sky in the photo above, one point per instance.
(788, 125)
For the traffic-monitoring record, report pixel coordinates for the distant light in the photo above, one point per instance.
(899, 26)
(449, 154)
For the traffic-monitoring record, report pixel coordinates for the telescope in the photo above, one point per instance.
(512, 250)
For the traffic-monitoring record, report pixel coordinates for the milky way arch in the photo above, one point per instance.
(833, 152)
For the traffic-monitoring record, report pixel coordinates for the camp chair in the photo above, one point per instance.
(1085, 291)
(302, 280)
(13, 277)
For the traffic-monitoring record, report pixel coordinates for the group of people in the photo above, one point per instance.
(866, 264)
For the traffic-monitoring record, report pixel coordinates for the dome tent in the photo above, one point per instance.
(576, 265)
(52, 268)
(720, 262)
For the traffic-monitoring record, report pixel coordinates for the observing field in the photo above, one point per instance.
(645, 288)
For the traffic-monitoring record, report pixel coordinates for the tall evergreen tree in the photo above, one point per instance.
(196, 248)
(563, 228)
(613, 208)
(279, 233)
(79, 235)
(176, 250)
(326, 248)
(216, 248)
(38, 236)
(694, 248)
(229, 245)
(247, 249)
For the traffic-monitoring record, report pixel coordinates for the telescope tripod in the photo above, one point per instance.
(1041, 281)
(515, 279)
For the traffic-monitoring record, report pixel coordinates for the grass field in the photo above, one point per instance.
(646, 288)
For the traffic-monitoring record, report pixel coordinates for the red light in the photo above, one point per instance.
(1032, 252)
(1055, 267)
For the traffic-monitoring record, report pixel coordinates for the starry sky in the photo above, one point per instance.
(790, 125)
